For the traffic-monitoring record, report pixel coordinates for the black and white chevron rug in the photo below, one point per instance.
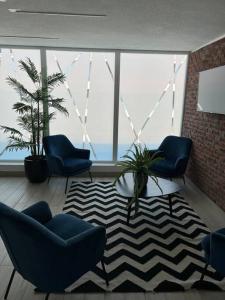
(155, 252)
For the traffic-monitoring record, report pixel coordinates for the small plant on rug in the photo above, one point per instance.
(138, 162)
(33, 118)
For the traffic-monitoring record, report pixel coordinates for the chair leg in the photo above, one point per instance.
(105, 273)
(67, 178)
(170, 204)
(9, 284)
(183, 179)
(49, 177)
(47, 296)
(90, 175)
(204, 271)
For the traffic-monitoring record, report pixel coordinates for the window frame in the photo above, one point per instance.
(43, 59)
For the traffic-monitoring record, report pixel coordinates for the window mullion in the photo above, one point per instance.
(44, 85)
(116, 105)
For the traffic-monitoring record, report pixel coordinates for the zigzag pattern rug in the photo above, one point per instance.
(155, 252)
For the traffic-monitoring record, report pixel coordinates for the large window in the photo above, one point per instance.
(149, 96)
(9, 59)
(89, 97)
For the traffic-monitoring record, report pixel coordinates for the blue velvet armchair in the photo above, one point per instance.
(50, 252)
(214, 248)
(64, 159)
(175, 152)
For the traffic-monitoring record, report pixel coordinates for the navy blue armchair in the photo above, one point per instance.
(214, 248)
(50, 252)
(175, 152)
(64, 159)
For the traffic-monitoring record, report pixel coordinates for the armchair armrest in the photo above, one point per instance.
(39, 211)
(181, 164)
(80, 254)
(90, 236)
(217, 252)
(89, 244)
(81, 153)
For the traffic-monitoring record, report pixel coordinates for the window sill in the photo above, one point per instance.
(16, 168)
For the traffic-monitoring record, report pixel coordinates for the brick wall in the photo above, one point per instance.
(207, 163)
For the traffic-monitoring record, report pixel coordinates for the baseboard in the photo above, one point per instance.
(98, 170)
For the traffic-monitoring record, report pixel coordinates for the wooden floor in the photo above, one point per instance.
(18, 193)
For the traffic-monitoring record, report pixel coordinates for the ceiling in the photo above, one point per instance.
(167, 25)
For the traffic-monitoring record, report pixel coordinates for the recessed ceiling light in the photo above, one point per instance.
(13, 10)
(54, 13)
(3, 0)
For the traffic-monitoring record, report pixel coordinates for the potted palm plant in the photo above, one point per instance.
(138, 162)
(32, 120)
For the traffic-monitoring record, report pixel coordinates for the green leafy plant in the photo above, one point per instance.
(138, 162)
(32, 120)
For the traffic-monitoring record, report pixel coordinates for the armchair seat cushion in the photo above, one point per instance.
(67, 226)
(75, 165)
(164, 168)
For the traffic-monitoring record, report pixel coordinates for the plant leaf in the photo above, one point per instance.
(10, 130)
(21, 107)
(29, 67)
(55, 80)
(19, 87)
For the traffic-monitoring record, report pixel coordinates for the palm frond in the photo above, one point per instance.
(51, 116)
(16, 143)
(55, 103)
(18, 87)
(38, 95)
(29, 67)
(55, 80)
(25, 119)
(21, 107)
(11, 131)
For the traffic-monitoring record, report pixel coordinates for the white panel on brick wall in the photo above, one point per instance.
(211, 91)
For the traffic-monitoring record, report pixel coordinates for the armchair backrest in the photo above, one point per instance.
(30, 245)
(174, 147)
(57, 145)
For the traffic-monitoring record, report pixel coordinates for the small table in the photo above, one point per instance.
(125, 187)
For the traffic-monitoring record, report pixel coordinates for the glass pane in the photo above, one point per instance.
(89, 97)
(151, 98)
(9, 67)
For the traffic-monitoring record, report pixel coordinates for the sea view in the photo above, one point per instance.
(103, 152)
